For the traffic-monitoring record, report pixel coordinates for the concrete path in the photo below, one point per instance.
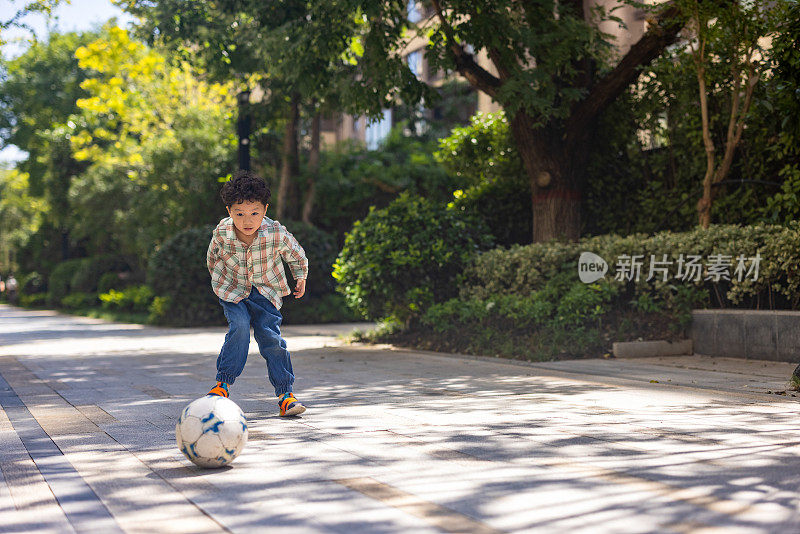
(394, 440)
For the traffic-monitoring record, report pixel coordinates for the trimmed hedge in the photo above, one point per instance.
(86, 278)
(178, 274)
(32, 284)
(528, 301)
(522, 270)
(59, 285)
(321, 250)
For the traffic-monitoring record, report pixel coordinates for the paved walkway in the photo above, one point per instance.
(394, 440)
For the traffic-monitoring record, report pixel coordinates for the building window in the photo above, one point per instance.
(377, 131)
(414, 11)
(414, 60)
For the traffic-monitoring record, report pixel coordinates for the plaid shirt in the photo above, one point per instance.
(236, 268)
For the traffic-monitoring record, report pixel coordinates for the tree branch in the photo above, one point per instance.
(663, 33)
(465, 62)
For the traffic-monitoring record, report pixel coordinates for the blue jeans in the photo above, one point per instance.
(258, 312)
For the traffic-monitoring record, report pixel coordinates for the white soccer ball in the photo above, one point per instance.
(211, 431)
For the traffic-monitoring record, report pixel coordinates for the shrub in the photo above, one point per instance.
(321, 250)
(328, 308)
(78, 300)
(59, 284)
(505, 207)
(352, 179)
(482, 151)
(36, 300)
(132, 299)
(528, 302)
(177, 270)
(115, 280)
(509, 325)
(400, 259)
(520, 270)
(495, 186)
(88, 274)
(524, 269)
(32, 283)
(158, 310)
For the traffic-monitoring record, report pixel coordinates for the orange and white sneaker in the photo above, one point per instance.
(289, 405)
(220, 390)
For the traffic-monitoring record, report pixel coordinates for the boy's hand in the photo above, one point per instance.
(300, 289)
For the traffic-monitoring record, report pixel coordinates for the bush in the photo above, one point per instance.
(531, 328)
(352, 179)
(400, 259)
(88, 274)
(158, 310)
(528, 301)
(482, 151)
(522, 270)
(59, 284)
(36, 300)
(132, 299)
(329, 308)
(78, 300)
(32, 284)
(505, 207)
(494, 184)
(321, 250)
(177, 270)
(115, 280)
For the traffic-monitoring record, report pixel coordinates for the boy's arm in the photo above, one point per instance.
(294, 255)
(211, 256)
(216, 266)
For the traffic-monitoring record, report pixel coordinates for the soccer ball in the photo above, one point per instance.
(211, 431)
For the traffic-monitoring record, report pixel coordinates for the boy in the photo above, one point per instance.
(244, 259)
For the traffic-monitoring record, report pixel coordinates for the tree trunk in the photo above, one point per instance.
(313, 168)
(555, 191)
(704, 204)
(289, 155)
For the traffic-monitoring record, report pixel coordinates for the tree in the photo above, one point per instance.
(296, 51)
(556, 73)
(21, 215)
(783, 98)
(727, 37)
(29, 7)
(156, 140)
(40, 89)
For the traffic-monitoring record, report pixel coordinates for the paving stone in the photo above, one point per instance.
(398, 440)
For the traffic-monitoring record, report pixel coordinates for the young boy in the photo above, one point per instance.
(244, 259)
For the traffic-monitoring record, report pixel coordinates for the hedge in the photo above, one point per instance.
(59, 285)
(528, 301)
(177, 273)
(522, 270)
(91, 269)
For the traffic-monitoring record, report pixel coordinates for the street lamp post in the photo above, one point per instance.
(243, 129)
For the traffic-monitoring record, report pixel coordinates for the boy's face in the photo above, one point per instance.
(247, 216)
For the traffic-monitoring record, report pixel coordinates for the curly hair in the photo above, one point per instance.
(245, 186)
